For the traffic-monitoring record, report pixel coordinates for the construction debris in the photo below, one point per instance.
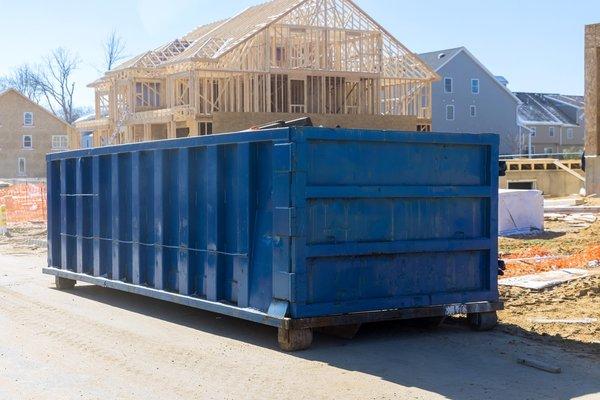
(539, 365)
(546, 279)
(576, 221)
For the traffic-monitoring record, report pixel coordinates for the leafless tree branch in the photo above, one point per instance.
(24, 80)
(55, 80)
(114, 50)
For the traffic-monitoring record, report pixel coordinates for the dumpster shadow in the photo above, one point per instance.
(458, 363)
(205, 321)
(451, 361)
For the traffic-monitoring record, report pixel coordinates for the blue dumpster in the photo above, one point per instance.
(298, 228)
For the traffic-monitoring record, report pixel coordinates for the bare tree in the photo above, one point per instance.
(24, 79)
(114, 50)
(55, 80)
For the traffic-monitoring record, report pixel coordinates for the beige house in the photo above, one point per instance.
(27, 133)
(275, 61)
(555, 122)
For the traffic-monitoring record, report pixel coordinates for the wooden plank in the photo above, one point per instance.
(569, 170)
(542, 366)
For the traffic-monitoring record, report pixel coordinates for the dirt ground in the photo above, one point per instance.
(548, 314)
(573, 247)
(25, 238)
(96, 343)
(560, 246)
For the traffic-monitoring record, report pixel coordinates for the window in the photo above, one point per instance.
(570, 133)
(27, 142)
(205, 128)
(448, 85)
(551, 131)
(521, 185)
(424, 98)
(21, 166)
(147, 94)
(297, 95)
(87, 141)
(533, 131)
(450, 113)
(473, 111)
(548, 150)
(28, 119)
(475, 86)
(60, 142)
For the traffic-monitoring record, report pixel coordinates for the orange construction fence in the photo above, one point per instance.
(25, 202)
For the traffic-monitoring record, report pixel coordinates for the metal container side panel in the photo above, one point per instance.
(192, 217)
(393, 220)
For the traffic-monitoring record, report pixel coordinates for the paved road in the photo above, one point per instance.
(95, 343)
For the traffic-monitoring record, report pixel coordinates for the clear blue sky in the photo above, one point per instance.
(536, 44)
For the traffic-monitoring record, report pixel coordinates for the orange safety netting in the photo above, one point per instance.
(25, 202)
(537, 259)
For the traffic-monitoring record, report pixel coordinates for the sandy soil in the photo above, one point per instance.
(578, 300)
(95, 343)
(575, 248)
(25, 238)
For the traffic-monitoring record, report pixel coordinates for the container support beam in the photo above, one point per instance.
(136, 210)
(212, 223)
(184, 220)
(158, 220)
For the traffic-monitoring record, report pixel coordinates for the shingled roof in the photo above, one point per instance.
(537, 108)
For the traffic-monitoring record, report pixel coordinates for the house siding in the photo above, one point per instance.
(559, 142)
(45, 125)
(496, 108)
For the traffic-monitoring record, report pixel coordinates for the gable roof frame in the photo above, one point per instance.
(414, 57)
(259, 23)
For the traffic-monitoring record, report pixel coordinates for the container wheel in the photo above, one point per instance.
(64, 283)
(294, 339)
(483, 321)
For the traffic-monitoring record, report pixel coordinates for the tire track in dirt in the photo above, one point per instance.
(95, 341)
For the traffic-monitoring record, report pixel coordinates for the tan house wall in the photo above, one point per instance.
(235, 122)
(559, 142)
(556, 183)
(12, 129)
(555, 178)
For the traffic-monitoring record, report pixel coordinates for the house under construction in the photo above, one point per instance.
(279, 60)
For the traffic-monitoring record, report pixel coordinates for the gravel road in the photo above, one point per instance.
(95, 343)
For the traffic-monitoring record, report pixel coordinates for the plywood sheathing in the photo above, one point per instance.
(592, 89)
